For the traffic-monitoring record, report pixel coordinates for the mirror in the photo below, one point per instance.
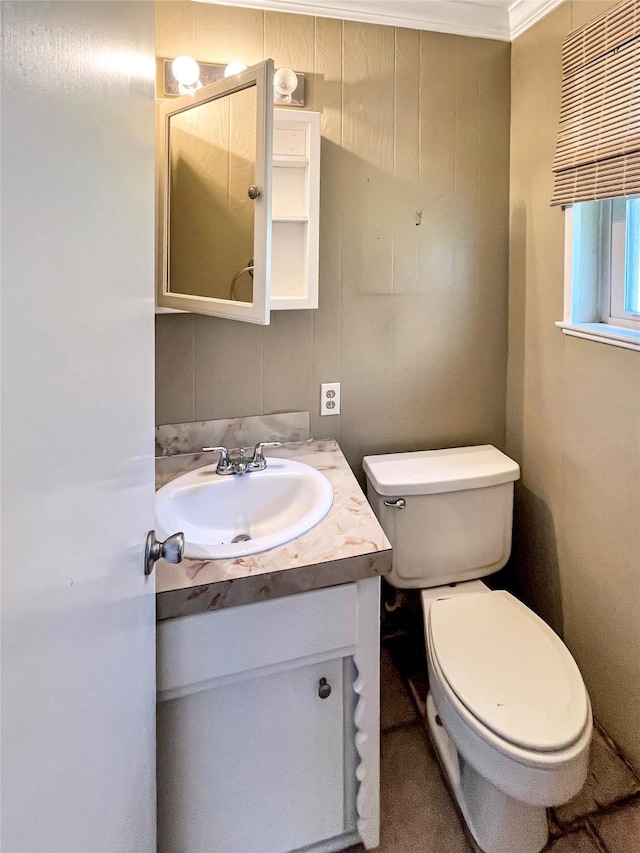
(215, 193)
(212, 151)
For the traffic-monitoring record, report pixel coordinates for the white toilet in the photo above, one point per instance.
(507, 707)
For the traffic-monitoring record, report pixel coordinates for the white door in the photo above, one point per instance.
(78, 669)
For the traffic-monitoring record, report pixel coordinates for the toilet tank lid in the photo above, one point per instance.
(425, 472)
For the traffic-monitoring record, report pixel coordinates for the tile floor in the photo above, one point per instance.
(418, 815)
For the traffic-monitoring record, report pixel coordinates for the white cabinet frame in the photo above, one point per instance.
(295, 226)
(201, 652)
(257, 311)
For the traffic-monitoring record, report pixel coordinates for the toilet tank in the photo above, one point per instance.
(457, 517)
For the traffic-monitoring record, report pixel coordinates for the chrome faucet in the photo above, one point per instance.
(240, 464)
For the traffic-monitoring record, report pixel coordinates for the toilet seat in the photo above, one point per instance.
(511, 673)
(538, 778)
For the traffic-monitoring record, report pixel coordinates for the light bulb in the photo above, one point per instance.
(285, 82)
(234, 68)
(186, 70)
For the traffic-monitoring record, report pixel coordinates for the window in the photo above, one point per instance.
(602, 271)
(597, 177)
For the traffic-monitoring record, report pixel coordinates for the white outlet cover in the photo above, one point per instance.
(330, 398)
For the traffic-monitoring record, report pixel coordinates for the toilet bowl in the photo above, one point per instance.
(506, 772)
(507, 708)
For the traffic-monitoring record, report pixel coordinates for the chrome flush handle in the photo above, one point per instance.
(398, 503)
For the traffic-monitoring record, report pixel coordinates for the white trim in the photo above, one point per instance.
(587, 280)
(257, 672)
(367, 712)
(333, 845)
(603, 333)
(479, 19)
(568, 264)
(523, 14)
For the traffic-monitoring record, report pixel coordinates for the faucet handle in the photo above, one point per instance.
(258, 457)
(223, 462)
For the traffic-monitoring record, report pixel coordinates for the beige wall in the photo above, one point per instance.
(412, 318)
(573, 417)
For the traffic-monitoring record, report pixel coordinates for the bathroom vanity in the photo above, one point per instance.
(268, 682)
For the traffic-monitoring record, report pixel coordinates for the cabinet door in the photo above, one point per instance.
(214, 198)
(253, 766)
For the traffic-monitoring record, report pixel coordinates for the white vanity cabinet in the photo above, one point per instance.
(268, 725)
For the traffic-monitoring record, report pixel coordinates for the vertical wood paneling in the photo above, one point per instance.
(367, 139)
(410, 121)
(175, 28)
(465, 295)
(288, 341)
(175, 369)
(228, 368)
(493, 206)
(290, 41)
(410, 345)
(437, 164)
(406, 162)
(228, 33)
(288, 362)
(175, 32)
(367, 237)
(327, 320)
(466, 174)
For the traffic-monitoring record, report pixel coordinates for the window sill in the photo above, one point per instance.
(603, 333)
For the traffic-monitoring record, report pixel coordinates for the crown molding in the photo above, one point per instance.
(525, 13)
(492, 19)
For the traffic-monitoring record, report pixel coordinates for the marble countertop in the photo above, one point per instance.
(347, 545)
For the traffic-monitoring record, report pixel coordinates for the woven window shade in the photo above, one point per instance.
(598, 148)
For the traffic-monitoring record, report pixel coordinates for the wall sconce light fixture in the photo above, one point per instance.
(184, 75)
(186, 72)
(234, 68)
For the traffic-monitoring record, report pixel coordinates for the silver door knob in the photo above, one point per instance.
(253, 192)
(170, 550)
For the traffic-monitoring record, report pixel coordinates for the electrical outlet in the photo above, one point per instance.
(330, 398)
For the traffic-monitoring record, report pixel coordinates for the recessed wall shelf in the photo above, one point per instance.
(295, 210)
(282, 160)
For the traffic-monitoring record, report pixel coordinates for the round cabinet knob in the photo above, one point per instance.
(253, 192)
(324, 689)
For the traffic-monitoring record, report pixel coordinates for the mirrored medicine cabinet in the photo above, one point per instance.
(238, 201)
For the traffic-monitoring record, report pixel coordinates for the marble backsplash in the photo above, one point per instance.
(172, 439)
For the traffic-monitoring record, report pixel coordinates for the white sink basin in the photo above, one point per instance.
(269, 507)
